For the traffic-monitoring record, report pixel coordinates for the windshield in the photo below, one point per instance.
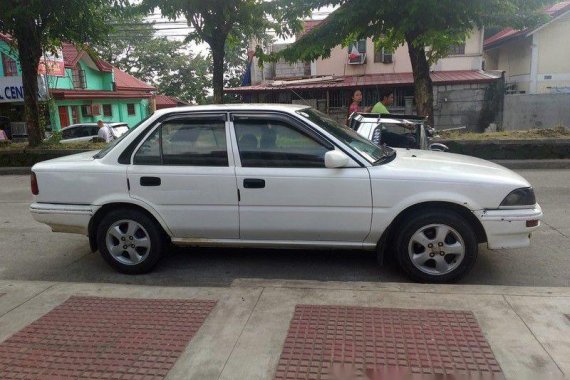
(370, 151)
(112, 144)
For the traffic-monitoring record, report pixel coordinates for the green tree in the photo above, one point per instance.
(169, 65)
(37, 26)
(429, 27)
(216, 22)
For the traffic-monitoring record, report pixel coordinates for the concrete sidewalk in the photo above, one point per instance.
(243, 336)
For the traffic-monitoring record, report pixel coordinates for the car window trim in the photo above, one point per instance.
(305, 126)
(217, 116)
(127, 155)
(235, 116)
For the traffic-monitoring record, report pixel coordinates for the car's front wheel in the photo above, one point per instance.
(129, 241)
(436, 246)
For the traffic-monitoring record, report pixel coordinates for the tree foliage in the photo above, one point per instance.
(429, 27)
(220, 23)
(38, 25)
(169, 65)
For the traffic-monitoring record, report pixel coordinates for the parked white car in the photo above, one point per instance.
(281, 176)
(87, 131)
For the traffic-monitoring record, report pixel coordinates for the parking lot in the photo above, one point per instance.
(30, 251)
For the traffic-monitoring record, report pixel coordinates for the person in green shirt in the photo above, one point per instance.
(387, 137)
(386, 100)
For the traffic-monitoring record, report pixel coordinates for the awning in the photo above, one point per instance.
(370, 80)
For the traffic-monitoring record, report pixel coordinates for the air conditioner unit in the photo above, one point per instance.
(96, 109)
(357, 59)
(386, 57)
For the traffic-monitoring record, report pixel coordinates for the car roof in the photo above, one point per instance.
(234, 107)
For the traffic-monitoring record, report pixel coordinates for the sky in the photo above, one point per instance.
(177, 29)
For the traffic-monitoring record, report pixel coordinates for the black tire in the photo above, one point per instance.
(460, 232)
(145, 230)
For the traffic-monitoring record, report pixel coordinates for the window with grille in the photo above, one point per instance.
(457, 49)
(359, 46)
(10, 66)
(107, 110)
(78, 77)
(383, 55)
(131, 109)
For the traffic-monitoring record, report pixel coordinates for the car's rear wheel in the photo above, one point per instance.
(129, 241)
(437, 246)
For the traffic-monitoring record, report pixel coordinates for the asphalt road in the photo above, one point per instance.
(30, 251)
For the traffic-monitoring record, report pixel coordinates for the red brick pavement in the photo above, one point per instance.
(104, 338)
(341, 342)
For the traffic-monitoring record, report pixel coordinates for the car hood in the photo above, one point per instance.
(448, 167)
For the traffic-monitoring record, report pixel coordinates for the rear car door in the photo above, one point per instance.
(183, 170)
(286, 191)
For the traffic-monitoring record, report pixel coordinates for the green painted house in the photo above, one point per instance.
(82, 89)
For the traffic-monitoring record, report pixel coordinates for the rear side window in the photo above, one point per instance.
(191, 143)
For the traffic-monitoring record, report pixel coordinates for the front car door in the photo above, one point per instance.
(287, 193)
(183, 170)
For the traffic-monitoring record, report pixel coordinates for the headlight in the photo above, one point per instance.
(520, 197)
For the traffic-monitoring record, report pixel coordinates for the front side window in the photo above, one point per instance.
(131, 109)
(274, 144)
(189, 142)
(365, 148)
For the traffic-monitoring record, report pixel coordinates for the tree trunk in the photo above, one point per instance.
(218, 54)
(30, 52)
(423, 86)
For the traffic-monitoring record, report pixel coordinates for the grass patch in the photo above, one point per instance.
(554, 133)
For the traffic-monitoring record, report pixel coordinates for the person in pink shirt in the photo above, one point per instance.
(355, 106)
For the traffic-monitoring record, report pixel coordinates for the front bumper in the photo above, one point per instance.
(508, 228)
(63, 218)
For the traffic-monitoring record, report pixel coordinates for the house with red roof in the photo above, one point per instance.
(83, 87)
(535, 60)
(460, 84)
(165, 101)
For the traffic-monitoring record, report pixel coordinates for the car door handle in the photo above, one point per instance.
(150, 181)
(253, 183)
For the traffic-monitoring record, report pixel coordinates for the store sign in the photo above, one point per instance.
(52, 64)
(11, 90)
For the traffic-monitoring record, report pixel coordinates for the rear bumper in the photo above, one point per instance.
(508, 228)
(63, 218)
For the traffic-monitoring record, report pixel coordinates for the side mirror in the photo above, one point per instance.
(336, 159)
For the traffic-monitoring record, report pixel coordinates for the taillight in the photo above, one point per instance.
(34, 183)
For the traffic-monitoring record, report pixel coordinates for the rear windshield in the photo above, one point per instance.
(103, 152)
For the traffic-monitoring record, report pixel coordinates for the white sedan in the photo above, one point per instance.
(281, 176)
(87, 131)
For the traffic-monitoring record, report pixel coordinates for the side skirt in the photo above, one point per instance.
(283, 244)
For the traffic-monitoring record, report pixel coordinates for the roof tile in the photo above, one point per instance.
(510, 33)
(126, 81)
(391, 79)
